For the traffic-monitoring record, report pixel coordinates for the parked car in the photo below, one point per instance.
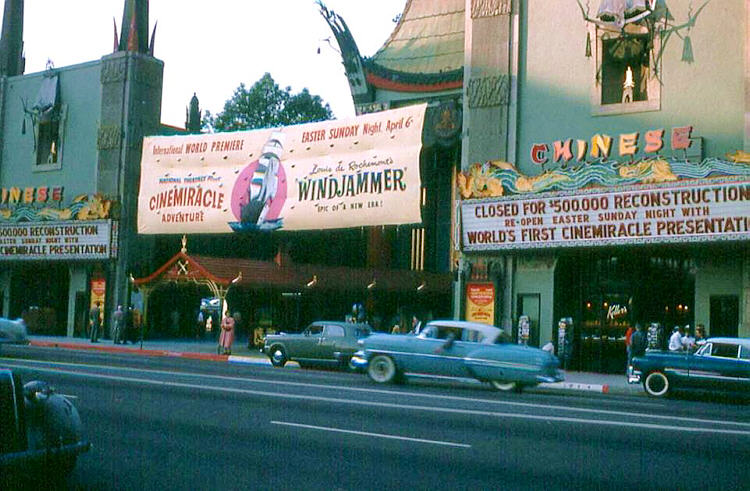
(40, 432)
(720, 364)
(458, 349)
(322, 342)
(13, 331)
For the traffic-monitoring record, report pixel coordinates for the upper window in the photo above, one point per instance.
(625, 76)
(48, 116)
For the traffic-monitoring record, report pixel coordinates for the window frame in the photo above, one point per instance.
(653, 87)
(61, 120)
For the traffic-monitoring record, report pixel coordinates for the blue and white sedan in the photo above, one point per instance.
(721, 364)
(447, 348)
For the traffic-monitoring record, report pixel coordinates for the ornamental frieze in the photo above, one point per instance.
(113, 70)
(488, 91)
(108, 137)
(489, 8)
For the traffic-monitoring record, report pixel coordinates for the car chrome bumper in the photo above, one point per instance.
(358, 361)
(634, 376)
(550, 379)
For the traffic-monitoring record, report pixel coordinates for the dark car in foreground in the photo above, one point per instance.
(322, 342)
(40, 432)
(721, 364)
(458, 349)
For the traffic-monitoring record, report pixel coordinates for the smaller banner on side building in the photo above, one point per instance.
(332, 174)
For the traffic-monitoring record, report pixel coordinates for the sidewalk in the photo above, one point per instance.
(207, 350)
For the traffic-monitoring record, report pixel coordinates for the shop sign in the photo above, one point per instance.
(67, 240)
(480, 303)
(332, 174)
(702, 211)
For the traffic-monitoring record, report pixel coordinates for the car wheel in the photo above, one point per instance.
(656, 384)
(277, 356)
(381, 369)
(504, 386)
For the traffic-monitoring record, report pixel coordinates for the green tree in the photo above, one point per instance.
(266, 105)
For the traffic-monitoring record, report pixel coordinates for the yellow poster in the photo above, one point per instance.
(480, 303)
(98, 290)
(331, 174)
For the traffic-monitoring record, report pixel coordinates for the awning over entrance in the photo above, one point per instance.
(251, 273)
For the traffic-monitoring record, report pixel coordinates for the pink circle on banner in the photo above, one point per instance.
(240, 197)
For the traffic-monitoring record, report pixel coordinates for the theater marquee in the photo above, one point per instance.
(94, 239)
(703, 211)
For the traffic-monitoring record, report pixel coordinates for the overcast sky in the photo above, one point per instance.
(210, 47)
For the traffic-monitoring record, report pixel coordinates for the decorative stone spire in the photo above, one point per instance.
(12, 61)
(134, 28)
(193, 116)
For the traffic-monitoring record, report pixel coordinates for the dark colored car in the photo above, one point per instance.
(322, 342)
(40, 432)
(721, 364)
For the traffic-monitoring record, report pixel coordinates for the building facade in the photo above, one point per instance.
(70, 154)
(603, 177)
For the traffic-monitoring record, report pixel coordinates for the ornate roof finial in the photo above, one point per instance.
(134, 28)
(184, 244)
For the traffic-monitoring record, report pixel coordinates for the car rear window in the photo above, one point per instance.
(361, 332)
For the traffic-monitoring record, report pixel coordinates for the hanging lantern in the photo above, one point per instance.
(687, 50)
(23, 127)
(588, 45)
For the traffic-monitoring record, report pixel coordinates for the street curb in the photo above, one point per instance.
(132, 351)
(602, 389)
(262, 360)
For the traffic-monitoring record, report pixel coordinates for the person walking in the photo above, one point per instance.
(95, 321)
(200, 325)
(700, 335)
(128, 325)
(628, 341)
(119, 318)
(227, 335)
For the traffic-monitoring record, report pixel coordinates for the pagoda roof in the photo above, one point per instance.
(425, 52)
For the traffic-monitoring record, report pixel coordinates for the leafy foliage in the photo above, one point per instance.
(266, 105)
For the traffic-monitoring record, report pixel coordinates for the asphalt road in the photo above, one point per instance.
(164, 423)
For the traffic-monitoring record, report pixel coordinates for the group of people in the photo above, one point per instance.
(681, 340)
(125, 327)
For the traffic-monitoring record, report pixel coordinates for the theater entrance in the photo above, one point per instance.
(606, 292)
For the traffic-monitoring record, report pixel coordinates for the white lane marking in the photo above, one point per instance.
(471, 412)
(367, 433)
(606, 412)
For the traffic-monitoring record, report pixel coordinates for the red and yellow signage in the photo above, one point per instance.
(332, 174)
(689, 211)
(480, 303)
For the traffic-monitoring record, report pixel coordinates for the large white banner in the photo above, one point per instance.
(49, 241)
(680, 212)
(332, 174)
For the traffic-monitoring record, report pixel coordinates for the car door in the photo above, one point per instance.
(307, 346)
(330, 341)
(718, 366)
(441, 352)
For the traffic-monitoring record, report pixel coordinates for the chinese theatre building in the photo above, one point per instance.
(622, 195)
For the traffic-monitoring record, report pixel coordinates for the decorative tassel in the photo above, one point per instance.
(687, 50)
(588, 45)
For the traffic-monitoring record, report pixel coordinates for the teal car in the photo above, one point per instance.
(721, 364)
(321, 343)
(458, 349)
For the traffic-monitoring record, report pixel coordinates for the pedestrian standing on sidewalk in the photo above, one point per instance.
(129, 325)
(227, 335)
(628, 343)
(119, 318)
(200, 325)
(638, 342)
(95, 321)
(675, 340)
